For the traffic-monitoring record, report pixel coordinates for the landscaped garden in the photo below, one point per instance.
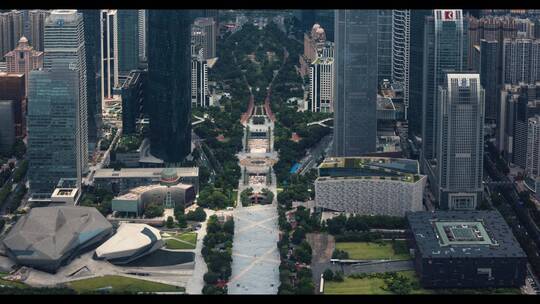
(181, 240)
(120, 284)
(373, 250)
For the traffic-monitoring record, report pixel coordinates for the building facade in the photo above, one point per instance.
(460, 142)
(355, 122)
(200, 96)
(37, 28)
(370, 185)
(490, 76)
(11, 30)
(142, 35)
(321, 85)
(64, 40)
(521, 61)
(12, 87)
(532, 164)
(132, 100)
(465, 249)
(443, 53)
(169, 90)
(7, 126)
(54, 126)
(209, 28)
(384, 45)
(128, 40)
(24, 59)
(401, 35)
(109, 54)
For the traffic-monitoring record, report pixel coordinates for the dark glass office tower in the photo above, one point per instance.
(355, 113)
(169, 83)
(128, 39)
(489, 77)
(384, 45)
(416, 58)
(444, 46)
(91, 39)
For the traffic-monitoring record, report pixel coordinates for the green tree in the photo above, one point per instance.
(328, 275)
(182, 222)
(170, 222)
(197, 215)
(153, 210)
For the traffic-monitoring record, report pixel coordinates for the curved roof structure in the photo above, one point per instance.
(130, 242)
(46, 237)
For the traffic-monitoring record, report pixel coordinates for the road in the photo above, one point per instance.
(315, 153)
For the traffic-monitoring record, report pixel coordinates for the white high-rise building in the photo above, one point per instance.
(460, 141)
(401, 35)
(321, 84)
(200, 96)
(109, 54)
(64, 40)
(533, 146)
(142, 35)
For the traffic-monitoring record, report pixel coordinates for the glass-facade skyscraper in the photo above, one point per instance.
(169, 83)
(443, 53)
(384, 45)
(54, 141)
(355, 118)
(128, 39)
(64, 39)
(460, 141)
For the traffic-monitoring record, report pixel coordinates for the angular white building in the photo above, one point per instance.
(370, 185)
(130, 242)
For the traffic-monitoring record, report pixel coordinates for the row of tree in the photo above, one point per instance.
(217, 253)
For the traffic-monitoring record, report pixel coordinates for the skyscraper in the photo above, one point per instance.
(532, 166)
(54, 125)
(355, 121)
(401, 35)
(128, 40)
(23, 59)
(169, 89)
(7, 125)
(208, 27)
(384, 45)
(460, 142)
(12, 87)
(109, 54)
(521, 60)
(37, 27)
(91, 45)
(321, 84)
(142, 35)
(443, 53)
(489, 76)
(200, 97)
(11, 30)
(64, 40)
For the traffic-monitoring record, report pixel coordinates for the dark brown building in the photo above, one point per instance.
(12, 87)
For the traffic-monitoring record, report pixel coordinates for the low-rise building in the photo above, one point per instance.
(370, 185)
(121, 181)
(169, 193)
(465, 249)
(130, 242)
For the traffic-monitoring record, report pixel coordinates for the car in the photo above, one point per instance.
(230, 208)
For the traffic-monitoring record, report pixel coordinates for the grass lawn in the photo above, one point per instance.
(11, 283)
(121, 284)
(182, 241)
(369, 286)
(235, 197)
(372, 286)
(371, 251)
(377, 286)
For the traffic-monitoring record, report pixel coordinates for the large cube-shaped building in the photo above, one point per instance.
(465, 249)
(370, 185)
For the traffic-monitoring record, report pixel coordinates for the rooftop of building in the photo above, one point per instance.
(460, 234)
(393, 164)
(144, 172)
(136, 192)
